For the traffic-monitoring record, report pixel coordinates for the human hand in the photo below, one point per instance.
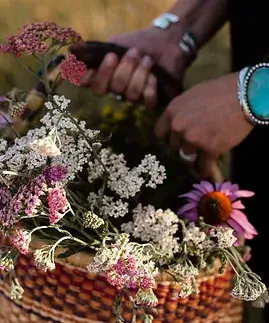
(131, 75)
(207, 119)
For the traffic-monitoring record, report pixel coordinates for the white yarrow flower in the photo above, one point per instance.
(45, 147)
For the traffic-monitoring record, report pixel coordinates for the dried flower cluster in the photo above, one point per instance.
(60, 178)
(32, 38)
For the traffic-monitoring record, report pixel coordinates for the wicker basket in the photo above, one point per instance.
(70, 294)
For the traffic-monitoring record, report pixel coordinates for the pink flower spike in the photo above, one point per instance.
(58, 204)
(72, 69)
(21, 240)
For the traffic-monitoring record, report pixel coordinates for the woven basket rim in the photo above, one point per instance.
(81, 259)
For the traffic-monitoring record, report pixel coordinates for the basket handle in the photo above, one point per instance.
(216, 174)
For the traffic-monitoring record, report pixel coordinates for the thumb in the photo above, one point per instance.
(208, 168)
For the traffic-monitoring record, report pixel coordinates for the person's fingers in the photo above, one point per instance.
(86, 80)
(139, 79)
(101, 78)
(188, 152)
(150, 92)
(162, 127)
(124, 71)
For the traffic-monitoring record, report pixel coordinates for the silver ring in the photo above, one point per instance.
(116, 97)
(189, 158)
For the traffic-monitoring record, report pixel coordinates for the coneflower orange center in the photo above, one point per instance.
(215, 208)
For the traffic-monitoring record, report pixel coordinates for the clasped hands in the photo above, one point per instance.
(205, 121)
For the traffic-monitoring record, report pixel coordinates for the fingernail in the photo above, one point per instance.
(146, 61)
(132, 53)
(110, 59)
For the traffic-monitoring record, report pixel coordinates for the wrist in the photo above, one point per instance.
(169, 40)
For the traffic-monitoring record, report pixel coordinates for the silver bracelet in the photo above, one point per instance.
(165, 20)
(244, 78)
(241, 90)
(188, 44)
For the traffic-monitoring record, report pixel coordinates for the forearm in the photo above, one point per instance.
(211, 16)
(202, 17)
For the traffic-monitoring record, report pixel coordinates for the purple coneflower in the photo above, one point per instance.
(218, 204)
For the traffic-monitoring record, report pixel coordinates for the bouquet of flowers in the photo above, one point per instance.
(63, 186)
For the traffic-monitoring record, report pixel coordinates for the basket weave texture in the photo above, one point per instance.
(70, 294)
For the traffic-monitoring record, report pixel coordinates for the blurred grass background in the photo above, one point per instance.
(97, 20)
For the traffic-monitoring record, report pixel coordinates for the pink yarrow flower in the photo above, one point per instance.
(72, 69)
(32, 38)
(26, 201)
(5, 196)
(218, 204)
(128, 273)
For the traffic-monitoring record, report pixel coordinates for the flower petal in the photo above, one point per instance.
(193, 196)
(241, 219)
(226, 187)
(238, 205)
(242, 193)
(248, 235)
(218, 186)
(192, 216)
(187, 207)
(204, 187)
(234, 187)
(236, 226)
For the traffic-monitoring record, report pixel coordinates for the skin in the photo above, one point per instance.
(131, 75)
(207, 118)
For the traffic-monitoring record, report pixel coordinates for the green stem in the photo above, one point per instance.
(44, 71)
(42, 227)
(28, 68)
(230, 257)
(73, 197)
(67, 238)
(66, 224)
(7, 172)
(127, 292)
(239, 259)
(54, 85)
